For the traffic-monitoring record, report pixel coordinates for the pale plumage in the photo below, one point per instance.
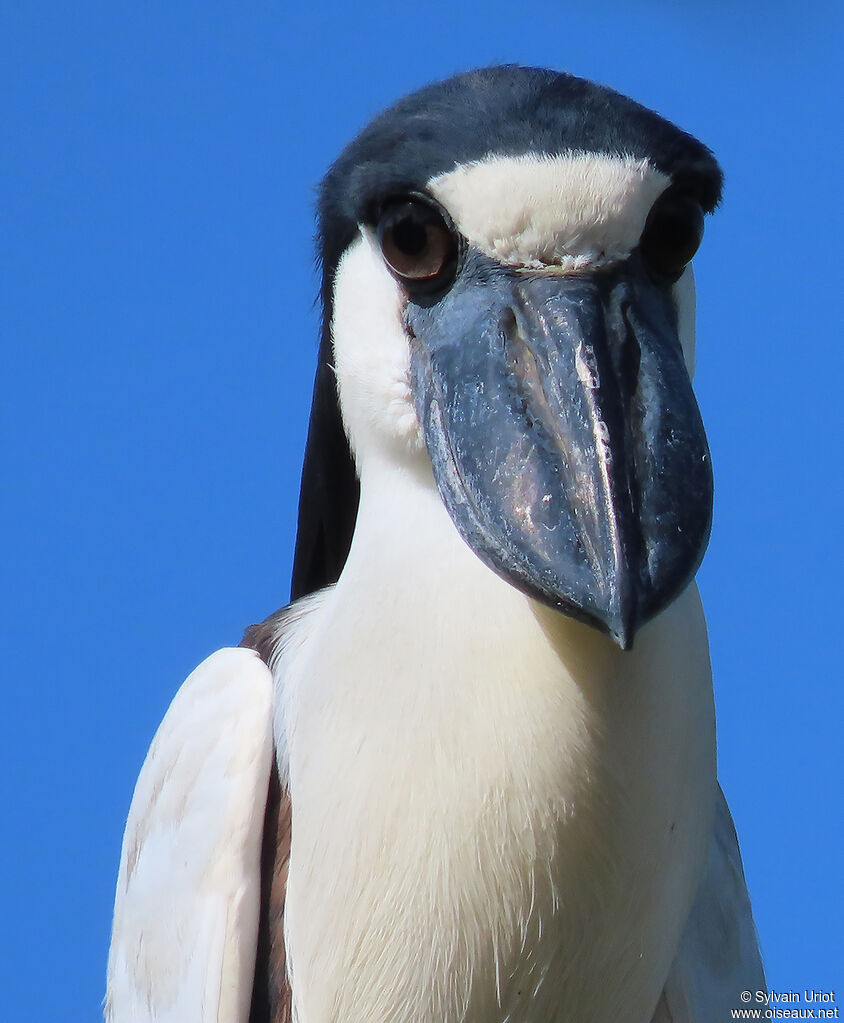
(172, 922)
(719, 951)
(482, 810)
(186, 908)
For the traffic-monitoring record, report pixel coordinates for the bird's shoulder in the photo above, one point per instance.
(188, 889)
(278, 638)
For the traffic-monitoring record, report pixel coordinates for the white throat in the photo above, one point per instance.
(498, 806)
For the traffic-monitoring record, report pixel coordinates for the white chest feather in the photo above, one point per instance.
(497, 815)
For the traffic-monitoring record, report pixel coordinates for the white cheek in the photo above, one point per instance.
(684, 300)
(371, 355)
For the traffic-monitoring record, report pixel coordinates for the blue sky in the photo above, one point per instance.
(159, 332)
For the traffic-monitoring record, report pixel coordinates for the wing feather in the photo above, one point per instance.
(187, 902)
(718, 957)
(275, 640)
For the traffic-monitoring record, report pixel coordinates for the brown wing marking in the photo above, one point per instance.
(271, 996)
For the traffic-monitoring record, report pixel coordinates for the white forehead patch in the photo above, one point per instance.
(565, 212)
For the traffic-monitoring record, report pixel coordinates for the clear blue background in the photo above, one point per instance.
(159, 333)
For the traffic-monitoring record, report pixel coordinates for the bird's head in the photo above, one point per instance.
(508, 294)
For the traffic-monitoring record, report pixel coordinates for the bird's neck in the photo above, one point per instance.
(490, 791)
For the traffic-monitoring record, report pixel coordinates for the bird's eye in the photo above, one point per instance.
(417, 244)
(672, 234)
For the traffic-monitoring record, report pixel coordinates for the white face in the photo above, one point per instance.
(557, 215)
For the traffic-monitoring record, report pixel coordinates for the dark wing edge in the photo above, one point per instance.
(271, 994)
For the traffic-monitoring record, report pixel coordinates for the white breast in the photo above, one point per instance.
(497, 815)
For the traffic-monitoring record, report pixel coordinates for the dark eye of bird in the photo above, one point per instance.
(417, 244)
(672, 234)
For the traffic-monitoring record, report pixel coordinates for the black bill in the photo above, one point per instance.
(565, 437)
